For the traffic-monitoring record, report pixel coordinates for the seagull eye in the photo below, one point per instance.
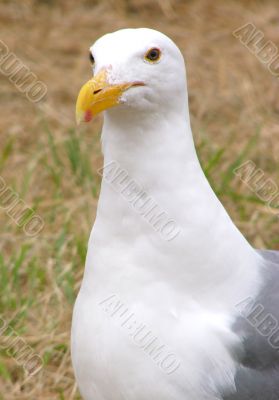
(153, 55)
(91, 58)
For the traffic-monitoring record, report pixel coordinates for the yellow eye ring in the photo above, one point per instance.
(153, 55)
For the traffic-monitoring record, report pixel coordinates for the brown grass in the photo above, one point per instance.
(233, 99)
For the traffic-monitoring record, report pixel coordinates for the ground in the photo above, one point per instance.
(52, 166)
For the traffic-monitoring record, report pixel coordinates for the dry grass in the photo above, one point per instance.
(233, 100)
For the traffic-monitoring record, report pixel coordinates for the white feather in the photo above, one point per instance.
(185, 290)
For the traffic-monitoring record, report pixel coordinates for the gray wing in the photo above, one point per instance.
(257, 377)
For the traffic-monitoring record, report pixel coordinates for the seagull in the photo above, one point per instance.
(174, 303)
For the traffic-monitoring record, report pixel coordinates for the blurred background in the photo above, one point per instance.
(52, 166)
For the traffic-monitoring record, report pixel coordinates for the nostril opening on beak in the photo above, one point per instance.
(97, 91)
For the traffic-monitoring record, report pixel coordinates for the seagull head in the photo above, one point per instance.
(135, 70)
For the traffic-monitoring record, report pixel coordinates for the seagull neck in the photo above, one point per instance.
(151, 142)
(158, 155)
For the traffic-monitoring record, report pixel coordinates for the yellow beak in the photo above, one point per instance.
(98, 94)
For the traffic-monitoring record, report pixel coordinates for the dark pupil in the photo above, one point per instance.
(91, 58)
(153, 55)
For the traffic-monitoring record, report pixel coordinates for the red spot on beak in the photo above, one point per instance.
(88, 116)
